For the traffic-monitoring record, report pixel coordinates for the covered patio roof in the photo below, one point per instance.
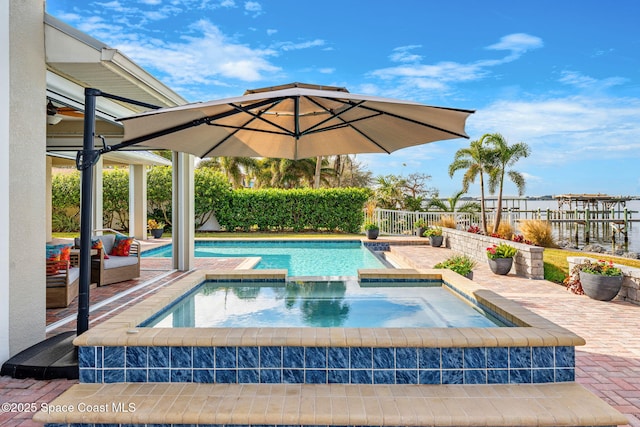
(75, 61)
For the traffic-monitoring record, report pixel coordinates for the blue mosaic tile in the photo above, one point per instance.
(338, 357)
(293, 376)
(475, 358)
(225, 357)
(361, 376)
(293, 357)
(383, 376)
(429, 358)
(452, 376)
(565, 357)
(475, 376)
(158, 357)
(99, 359)
(113, 357)
(270, 376)
(248, 376)
(270, 357)
(226, 376)
(86, 357)
(520, 357)
(520, 376)
(203, 376)
(430, 376)
(87, 375)
(159, 375)
(406, 358)
(543, 375)
(406, 376)
(181, 357)
(337, 376)
(203, 357)
(361, 357)
(542, 357)
(248, 357)
(136, 357)
(113, 375)
(315, 376)
(383, 358)
(181, 375)
(452, 358)
(497, 357)
(136, 375)
(497, 376)
(315, 357)
(565, 374)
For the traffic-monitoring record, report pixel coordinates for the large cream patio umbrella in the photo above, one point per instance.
(293, 121)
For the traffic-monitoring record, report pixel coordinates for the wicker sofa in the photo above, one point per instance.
(113, 269)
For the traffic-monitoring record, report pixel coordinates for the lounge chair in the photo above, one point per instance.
(62, 287)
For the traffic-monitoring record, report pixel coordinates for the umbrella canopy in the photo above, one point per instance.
(293, 121)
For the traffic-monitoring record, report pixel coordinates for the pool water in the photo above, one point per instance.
(319, 304)
(300, 258)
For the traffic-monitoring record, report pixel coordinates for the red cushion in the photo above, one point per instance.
(53, 254)
(121, 246)
(65, 255)
(97, 244)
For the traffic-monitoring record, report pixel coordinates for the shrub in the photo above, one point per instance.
(447, 221)
(538, 232)
(432, 231)
(501, 251)
(370, 226)
(461, 264)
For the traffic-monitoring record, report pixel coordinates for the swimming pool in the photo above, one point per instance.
(298, 257)
(344, 304)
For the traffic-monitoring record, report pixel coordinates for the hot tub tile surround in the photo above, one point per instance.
(533, 351)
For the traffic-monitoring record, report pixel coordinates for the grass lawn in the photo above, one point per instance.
(556, 267)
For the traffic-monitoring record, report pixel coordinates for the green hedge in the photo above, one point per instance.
(336, 209)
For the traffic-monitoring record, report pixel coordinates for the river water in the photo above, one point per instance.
(601, 233)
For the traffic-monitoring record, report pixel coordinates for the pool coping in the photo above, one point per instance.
(530, 330)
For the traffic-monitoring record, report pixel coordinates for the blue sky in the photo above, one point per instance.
(561, 76)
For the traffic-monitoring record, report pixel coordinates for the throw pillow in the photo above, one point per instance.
(53, 254)
(97, 244)
(121, 246)
(65, 255)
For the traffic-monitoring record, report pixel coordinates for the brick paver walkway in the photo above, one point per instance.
(609, 365)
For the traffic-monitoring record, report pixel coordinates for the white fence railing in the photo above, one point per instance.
(400, 223)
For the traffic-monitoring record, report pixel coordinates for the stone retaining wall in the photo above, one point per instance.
(630, 290)
(528, 261)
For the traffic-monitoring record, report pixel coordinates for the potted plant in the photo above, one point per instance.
(156, 228)
(435, 236)
(600, 280)
(421, 226)
(501, 258)
(461, 264)
(371, 230)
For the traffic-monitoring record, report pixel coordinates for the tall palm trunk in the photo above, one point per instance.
(499, 207)
(316, 177)
(483, 212)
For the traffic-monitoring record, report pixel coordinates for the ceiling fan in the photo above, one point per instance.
(55, 114)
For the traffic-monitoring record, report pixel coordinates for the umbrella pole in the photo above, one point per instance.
(85, 160)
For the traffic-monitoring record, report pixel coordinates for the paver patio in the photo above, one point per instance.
(609, 365)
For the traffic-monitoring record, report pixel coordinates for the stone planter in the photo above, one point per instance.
(420, 231)
(436, 241)
(601, 288)
(372, 234)
(500, 266)
(157, 232)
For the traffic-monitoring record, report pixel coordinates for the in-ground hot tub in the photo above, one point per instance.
(531, 350)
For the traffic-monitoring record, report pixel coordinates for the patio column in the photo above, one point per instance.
(182, 217)
(98, 207)
(138, 201)
(49, 201)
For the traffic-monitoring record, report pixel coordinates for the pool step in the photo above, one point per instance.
(555, 404)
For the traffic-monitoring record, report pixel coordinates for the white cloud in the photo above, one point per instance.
(288, 46)
(271, 32)
(254, 8)
(517, 43)
(403, 54)
(327, 70)
(581, 81)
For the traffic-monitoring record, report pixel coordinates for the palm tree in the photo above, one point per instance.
(452, 204)
(505, 157)
(477, 160)
(235, 168)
